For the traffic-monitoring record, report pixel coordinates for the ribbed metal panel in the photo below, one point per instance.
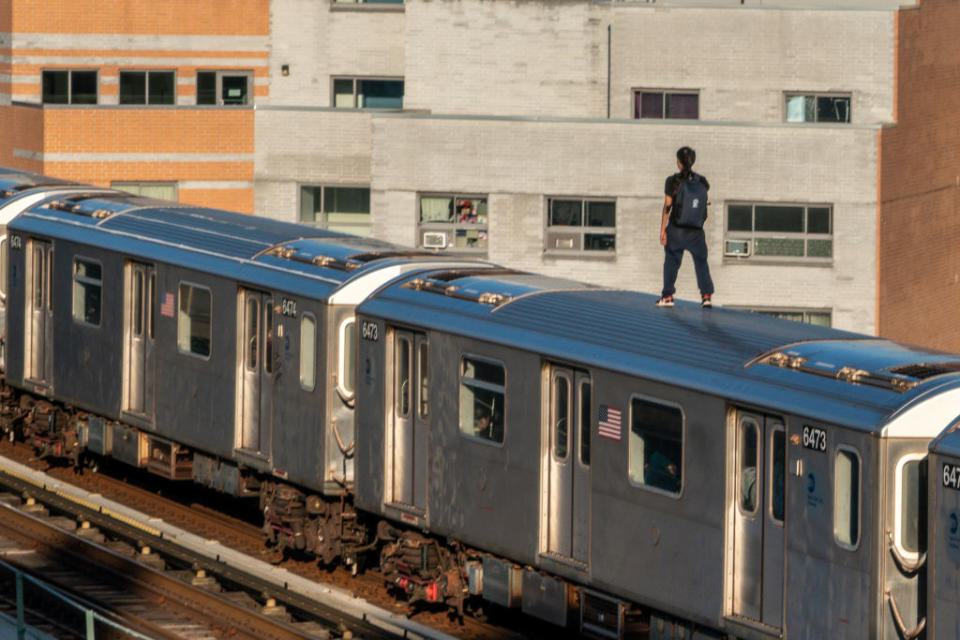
(707, 338)
(192, 237)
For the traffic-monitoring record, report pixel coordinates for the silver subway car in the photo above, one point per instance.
(737, 475)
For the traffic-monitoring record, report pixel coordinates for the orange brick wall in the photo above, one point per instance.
(919, 222)
(181, 17)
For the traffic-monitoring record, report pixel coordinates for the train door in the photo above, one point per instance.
(4, 271)
(566, 483)
(758, 547)
(39, 316)
(255, 366)
(904, 560)
(407, 437)
(139, 317)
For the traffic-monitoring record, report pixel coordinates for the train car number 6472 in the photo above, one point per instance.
(951, 476)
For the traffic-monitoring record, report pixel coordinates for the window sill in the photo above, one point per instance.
(779, 262)
(609, 256)
(377, 7)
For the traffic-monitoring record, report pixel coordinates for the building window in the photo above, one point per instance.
(155, 190)
(482, 392)
(581, 225)
(147, 87)
(820, 318)
(345, 209)
(846, 494)
(87, 291)
(69, 87)
(656, 445)
(224, 87)
(680, 105)
(779, 231)
(817, 108)
(193, 322)
(368, 93)
(453, 221)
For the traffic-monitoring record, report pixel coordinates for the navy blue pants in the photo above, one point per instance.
(678, 241)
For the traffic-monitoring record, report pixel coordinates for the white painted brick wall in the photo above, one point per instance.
(519, 163)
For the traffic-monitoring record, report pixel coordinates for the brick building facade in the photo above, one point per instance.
(536, 134)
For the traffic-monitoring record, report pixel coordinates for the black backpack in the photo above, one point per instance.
(690, 203)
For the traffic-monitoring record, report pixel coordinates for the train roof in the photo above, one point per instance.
(827, 374)
(284, 256)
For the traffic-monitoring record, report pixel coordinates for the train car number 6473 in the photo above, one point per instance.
(951, 476)
(814, 438)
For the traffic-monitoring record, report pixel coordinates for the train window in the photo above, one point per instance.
(308, 350)
(87, 291)
(253, 332)
(347, 365)
(193, 321)
(37, 277)
(779, 471)
(138, 304)
(152, 304)
(4, 256)
(561, 416)
(910, 514)
(747, 437)
(656, 444)
(846, 498)
(402, 364)
(423, 370)
(585, 422)
(268, 337)
(482, 392)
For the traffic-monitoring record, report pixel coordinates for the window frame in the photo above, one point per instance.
(70, 73)
(450, 229)
(817, 94)
(856, 454)
(188, 352)
(683, 446)
(581, 230)
(912, 556)
(357, 79)
(146, 87)
(324, 223)
(90, 281)
(567, 378)
(346, 394)
(584, 429)
(752, 236)
(218, 87)
(637, 92)
(483, 385)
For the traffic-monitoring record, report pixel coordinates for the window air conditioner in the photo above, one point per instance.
(737, 248)
(434, 240)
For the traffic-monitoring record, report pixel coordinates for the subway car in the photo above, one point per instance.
(493, 436)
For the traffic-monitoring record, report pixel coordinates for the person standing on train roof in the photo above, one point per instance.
(681, 228)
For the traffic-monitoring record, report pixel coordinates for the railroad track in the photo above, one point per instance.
(249, 593)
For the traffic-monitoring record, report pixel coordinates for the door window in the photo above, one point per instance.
(747, 454)
(561, 416)
(778, 470)
(585, 422)
(846, 503)
(403, 377)
(911, 481)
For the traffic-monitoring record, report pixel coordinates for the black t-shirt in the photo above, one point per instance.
(671, 184)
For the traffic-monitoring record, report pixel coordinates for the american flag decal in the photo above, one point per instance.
(609, 423)
(166, 308)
